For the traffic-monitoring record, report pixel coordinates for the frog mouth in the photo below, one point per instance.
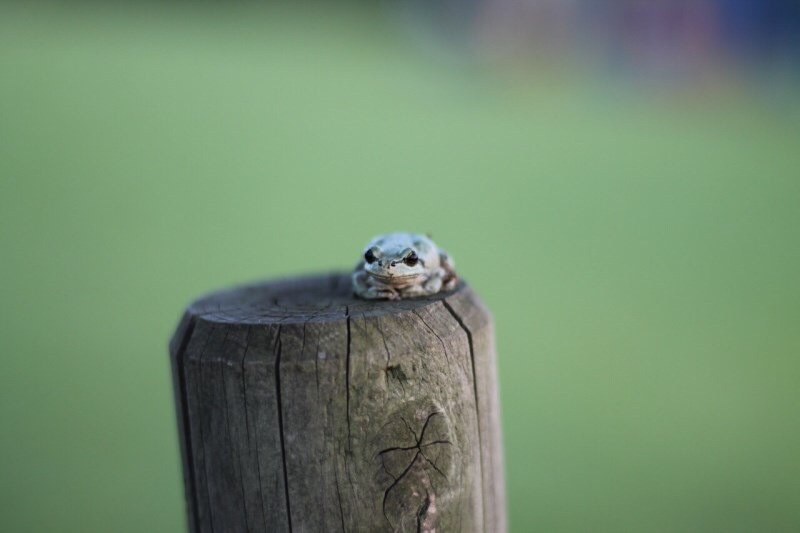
(402, 277)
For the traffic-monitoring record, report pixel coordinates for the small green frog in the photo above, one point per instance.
(403, 265)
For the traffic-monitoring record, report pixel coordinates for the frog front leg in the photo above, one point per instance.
(369, 288)
(431, 286)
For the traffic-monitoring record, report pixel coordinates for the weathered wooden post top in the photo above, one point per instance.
(304, 408)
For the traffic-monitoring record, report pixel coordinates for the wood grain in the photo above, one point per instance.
(301, 408)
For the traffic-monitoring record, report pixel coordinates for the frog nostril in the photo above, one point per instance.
(393, 263)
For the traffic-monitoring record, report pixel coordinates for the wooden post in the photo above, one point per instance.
(302, 408)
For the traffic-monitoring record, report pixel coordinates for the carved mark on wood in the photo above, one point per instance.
(415, 462)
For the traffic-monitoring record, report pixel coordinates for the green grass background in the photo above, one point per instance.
(641, 254)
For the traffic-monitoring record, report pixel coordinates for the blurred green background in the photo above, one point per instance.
(640, 252)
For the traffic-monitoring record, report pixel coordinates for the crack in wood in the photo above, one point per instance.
(425, 323)
(339, 497)
(418, 445)
(347, 377)
(280, 425)
(383, 338)
(234, 449)
(423, 511)
(461, 323)
(199, 387)
(247, 427)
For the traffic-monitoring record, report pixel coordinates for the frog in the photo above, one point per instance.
(402, 265)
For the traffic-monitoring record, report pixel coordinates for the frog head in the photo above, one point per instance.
(399, 258)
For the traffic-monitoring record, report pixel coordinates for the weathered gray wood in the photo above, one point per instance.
(301, 408)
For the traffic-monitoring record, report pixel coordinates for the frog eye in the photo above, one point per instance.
(411, 259)
(369, 256)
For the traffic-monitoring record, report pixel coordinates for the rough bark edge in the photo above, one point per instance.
(178, 346)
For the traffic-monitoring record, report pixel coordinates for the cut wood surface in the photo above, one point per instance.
(302, 408)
